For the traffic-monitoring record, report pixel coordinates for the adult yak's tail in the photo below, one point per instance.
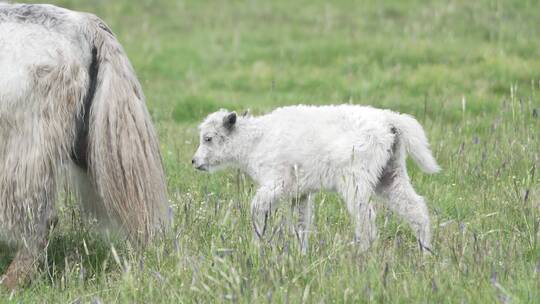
(119, 143)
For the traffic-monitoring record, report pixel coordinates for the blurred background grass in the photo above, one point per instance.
(468, 70)
(266, 53)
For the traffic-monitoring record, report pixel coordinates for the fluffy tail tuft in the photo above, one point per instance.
(415, 142)
(124, 156)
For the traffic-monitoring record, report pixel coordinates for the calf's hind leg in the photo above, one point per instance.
(396, 191)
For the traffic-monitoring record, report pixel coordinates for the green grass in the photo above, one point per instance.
(468, 70)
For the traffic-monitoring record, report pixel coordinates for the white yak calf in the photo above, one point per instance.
(295, 151)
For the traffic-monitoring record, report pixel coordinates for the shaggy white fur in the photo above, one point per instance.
(69, 95)
(295, 151)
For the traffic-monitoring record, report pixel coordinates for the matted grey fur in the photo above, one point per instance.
(69, 98)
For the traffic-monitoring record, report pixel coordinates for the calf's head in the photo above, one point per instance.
(215, 141)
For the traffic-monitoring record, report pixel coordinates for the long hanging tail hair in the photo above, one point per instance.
(117, 143)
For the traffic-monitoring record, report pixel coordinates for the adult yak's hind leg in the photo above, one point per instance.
(37, 128)
(28, 184)
(26, 259)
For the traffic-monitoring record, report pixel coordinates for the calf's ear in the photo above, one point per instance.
(229, 120)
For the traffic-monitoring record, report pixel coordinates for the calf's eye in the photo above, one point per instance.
(208, 139)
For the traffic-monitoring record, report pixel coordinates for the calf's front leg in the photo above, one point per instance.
(304, 205)
(263, 204)
(357, 195)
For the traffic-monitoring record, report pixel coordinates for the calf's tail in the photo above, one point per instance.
(415, 142)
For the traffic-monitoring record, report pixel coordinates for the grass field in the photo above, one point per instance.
(468, 70)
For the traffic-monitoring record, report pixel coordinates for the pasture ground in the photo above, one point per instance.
(468, 70)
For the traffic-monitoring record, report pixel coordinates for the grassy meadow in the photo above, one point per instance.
(468, 70)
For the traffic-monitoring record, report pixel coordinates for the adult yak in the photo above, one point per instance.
(71, 105)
